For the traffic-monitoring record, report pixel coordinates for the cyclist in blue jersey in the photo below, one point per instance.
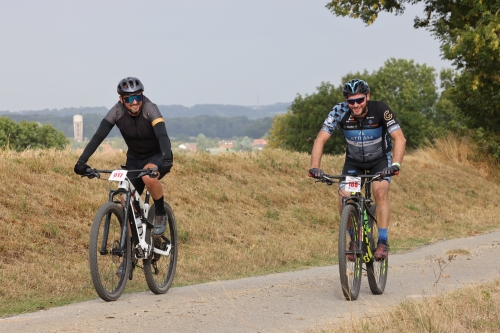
(368, 127)
(143, 129)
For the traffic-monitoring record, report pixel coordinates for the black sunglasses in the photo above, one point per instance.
(356, 100)
(130, 99)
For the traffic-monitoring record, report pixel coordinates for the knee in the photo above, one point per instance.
(381, 194)
(150, 181)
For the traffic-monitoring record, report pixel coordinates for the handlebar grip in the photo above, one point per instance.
(310, 174)
(396, 173)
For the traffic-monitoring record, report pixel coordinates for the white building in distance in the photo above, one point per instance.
(78, 127)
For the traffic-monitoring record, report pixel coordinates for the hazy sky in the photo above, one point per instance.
(60, 53)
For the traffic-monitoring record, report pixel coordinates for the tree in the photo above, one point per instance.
(410, 91)
(469, 32)
(203, 143)
(297, 129)
(446, 116)
(29, 135)
(243, 144)
(8, 129)
(258, 128)
(279, 131)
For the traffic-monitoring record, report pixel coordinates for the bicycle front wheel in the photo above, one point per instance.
(376, 269)
(159, 269)
(349, 254)
(109, 266)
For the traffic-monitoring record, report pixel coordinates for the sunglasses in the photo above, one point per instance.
(356, 100)
(130, 99)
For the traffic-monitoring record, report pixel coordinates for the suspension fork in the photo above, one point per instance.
(104, 242)
(361, 229)
(123, 239)
(361, 221)
(367, 230)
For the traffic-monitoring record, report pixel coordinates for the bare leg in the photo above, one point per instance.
(381, 194)
(153, 184)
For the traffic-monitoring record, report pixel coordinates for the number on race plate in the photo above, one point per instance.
(353, 184)
(118, 175)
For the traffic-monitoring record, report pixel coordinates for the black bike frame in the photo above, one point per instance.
(362, 203)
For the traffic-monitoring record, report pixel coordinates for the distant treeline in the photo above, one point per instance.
(220, 127)
(172, 111)
(210, 126)
(211, 120)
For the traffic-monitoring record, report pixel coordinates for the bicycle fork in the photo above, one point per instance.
(364, 230)
(367, 255)
(367, 232)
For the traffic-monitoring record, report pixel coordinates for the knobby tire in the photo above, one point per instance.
(350, 271)
(376, 270)
(108, 279)
(159, 270)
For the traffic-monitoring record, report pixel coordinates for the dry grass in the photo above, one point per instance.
(238, 215)
(473, 310)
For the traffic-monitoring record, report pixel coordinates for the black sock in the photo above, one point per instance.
(159, 207)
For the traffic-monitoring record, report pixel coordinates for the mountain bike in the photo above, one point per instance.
(358, 233)
(122, 234)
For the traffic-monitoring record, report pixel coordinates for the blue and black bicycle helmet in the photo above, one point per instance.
(355, 87)
(130, 85)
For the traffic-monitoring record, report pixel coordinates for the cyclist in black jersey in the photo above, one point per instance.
(143, 129)
(368, 127)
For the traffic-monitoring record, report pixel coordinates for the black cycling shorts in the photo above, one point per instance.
(135, 163)
(368, 168)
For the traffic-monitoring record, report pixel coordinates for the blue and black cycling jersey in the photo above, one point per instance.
(368, 137)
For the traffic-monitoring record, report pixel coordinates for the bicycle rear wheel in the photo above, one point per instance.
(349, 258)
(376, 270)
(159, 269)
(108, 267)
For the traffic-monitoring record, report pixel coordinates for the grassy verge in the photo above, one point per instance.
(473, 309)
(238, 215)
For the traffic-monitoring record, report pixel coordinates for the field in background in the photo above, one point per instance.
(238, 215)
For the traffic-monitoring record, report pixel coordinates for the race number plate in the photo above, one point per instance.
(118, 175)
(353, 184)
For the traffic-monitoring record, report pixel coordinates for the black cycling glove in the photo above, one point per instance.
(390, 171)
(316, 173)
(81, 168)
(165, 166)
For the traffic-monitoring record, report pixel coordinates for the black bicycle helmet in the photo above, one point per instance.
(130, 85)
(355, 87)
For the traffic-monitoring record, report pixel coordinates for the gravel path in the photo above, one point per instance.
(284, 302)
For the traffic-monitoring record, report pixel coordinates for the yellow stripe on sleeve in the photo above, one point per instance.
(156, 121)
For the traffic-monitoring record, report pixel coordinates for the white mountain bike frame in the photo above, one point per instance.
(132, 202)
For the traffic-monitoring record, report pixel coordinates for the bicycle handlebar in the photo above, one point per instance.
(330, 179)
(151, 172)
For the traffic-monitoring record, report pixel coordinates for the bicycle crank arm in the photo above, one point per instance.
(163, 253)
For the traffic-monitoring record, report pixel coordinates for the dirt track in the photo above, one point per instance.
(285, 302)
